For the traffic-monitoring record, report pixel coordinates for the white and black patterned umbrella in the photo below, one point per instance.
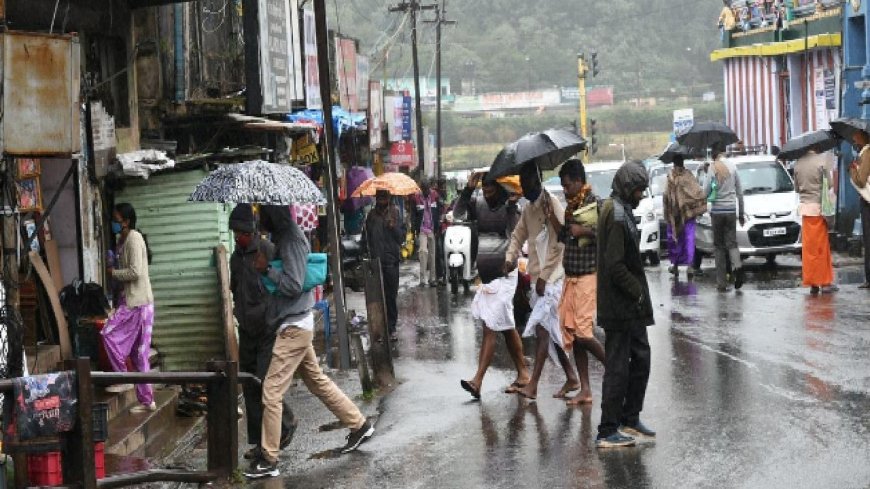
(257, 182)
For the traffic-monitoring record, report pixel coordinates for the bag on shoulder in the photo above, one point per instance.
(315, 273)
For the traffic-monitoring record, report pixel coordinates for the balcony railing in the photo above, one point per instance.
(806, 22)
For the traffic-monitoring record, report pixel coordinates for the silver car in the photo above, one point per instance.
(773, 226)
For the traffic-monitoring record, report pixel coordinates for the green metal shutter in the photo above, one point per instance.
(188, 329)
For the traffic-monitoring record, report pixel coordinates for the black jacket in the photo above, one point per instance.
(381, 240)
(623, 292)
(249, 295)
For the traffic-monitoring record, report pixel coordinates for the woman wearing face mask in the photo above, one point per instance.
(128, 331)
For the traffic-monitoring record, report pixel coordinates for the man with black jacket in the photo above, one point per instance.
(383, 237)
(256, 339)
(624, 312)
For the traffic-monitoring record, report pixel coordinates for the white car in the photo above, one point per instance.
(773, 225)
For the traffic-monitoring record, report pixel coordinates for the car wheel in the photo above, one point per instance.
(653, 258)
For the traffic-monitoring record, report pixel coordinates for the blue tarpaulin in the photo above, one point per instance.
(342, 120)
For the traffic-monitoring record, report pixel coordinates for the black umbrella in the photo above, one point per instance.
(845, 127)
(798, 146)
(548, 149)
(705, 135)
(677, 150)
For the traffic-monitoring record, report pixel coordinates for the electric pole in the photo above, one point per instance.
(439, 20)
(413, 6)
(331, 184)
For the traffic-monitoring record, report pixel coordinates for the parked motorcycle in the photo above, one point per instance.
(352, 269)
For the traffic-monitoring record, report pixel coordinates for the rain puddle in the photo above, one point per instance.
(326, 454)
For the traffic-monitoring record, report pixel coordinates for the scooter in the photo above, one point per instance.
(352, 269)
(457, 254)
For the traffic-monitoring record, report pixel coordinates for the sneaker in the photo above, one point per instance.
(119, 388)
(814, 290)
(865, 285)
(358, 437)
(739, 278)
(616, 440)
(723, 288)
(262, 468)
(144, 408)
(638, 430)
(287, 437)
(252, 454)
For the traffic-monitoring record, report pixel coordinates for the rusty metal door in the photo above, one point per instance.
(41, 81)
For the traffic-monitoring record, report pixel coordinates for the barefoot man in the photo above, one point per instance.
(545, 268)
(577, 309)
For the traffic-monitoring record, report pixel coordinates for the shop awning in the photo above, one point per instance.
(779, 48)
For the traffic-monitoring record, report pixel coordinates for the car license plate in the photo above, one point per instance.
(774, 232)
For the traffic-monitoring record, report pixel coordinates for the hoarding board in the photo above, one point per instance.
(273, 56)
(683, 120)
(376, 115)
(362, 81)
(312, 74)
(345, 59)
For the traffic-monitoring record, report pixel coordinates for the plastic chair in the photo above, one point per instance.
(323, 307)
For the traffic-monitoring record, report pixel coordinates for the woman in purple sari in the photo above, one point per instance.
(128, 331)
(683, 201)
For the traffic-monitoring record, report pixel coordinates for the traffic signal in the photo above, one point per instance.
(593, 139)
(574, 125)
(594, 56)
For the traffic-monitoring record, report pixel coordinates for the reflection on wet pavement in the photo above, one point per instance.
(764, 388)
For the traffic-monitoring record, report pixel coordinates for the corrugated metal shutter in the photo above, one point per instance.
(182, 235)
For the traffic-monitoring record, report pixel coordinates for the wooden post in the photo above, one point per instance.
(66, 352)
(381, 356)
(362, 364)
(78, 459)
(223, 272)
(222, 421)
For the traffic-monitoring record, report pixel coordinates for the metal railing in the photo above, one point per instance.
(222, 381)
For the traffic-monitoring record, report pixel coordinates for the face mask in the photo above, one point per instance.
(243, 241)
(116, 227)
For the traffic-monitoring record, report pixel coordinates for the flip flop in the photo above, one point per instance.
(514, 387)
(475, 393)
(523, 394)
(564, 391)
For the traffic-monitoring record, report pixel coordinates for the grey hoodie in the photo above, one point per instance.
(729, 193)
(289, 304)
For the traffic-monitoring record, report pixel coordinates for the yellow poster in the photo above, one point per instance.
(305, 151)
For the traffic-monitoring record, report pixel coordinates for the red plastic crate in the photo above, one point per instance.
(45, 469)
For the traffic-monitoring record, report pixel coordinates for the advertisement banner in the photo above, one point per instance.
(684, 119)
(362, 81)
(402, 154)
(345, 57)
(393, 117)
(280, 55)
(376, 115)
(406, 118)
(312, 76)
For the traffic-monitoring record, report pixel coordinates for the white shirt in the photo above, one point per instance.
(306, 323)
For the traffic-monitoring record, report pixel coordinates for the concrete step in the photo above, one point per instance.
(129, 432)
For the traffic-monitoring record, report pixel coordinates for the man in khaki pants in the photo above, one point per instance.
(290, 309)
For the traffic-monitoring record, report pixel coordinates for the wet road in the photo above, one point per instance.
(766, 388)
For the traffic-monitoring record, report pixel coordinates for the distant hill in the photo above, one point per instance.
(654, 47)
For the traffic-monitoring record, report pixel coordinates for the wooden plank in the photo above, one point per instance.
(52, 255)
(223, 269)
(66, 352)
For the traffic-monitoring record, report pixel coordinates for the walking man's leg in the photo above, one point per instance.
(423, 257)
(721, 249)
(333, 398)
(617, 355)
(515, 348)
(530, 391)
(582, 348)
(433, 277)
(865, 230)
(391, 291)
(253, 392)
(638, 376)
(487, 350)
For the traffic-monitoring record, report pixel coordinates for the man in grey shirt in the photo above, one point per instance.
(722, 186)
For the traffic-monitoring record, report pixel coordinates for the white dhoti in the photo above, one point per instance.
(545, 312)
(493, 303)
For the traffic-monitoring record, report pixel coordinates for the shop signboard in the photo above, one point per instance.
(406, 118)
(402, 154)
(683, 120)
(345, 58)
(362, 81)
(376, 115)
(273, 43)
(312, 74)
